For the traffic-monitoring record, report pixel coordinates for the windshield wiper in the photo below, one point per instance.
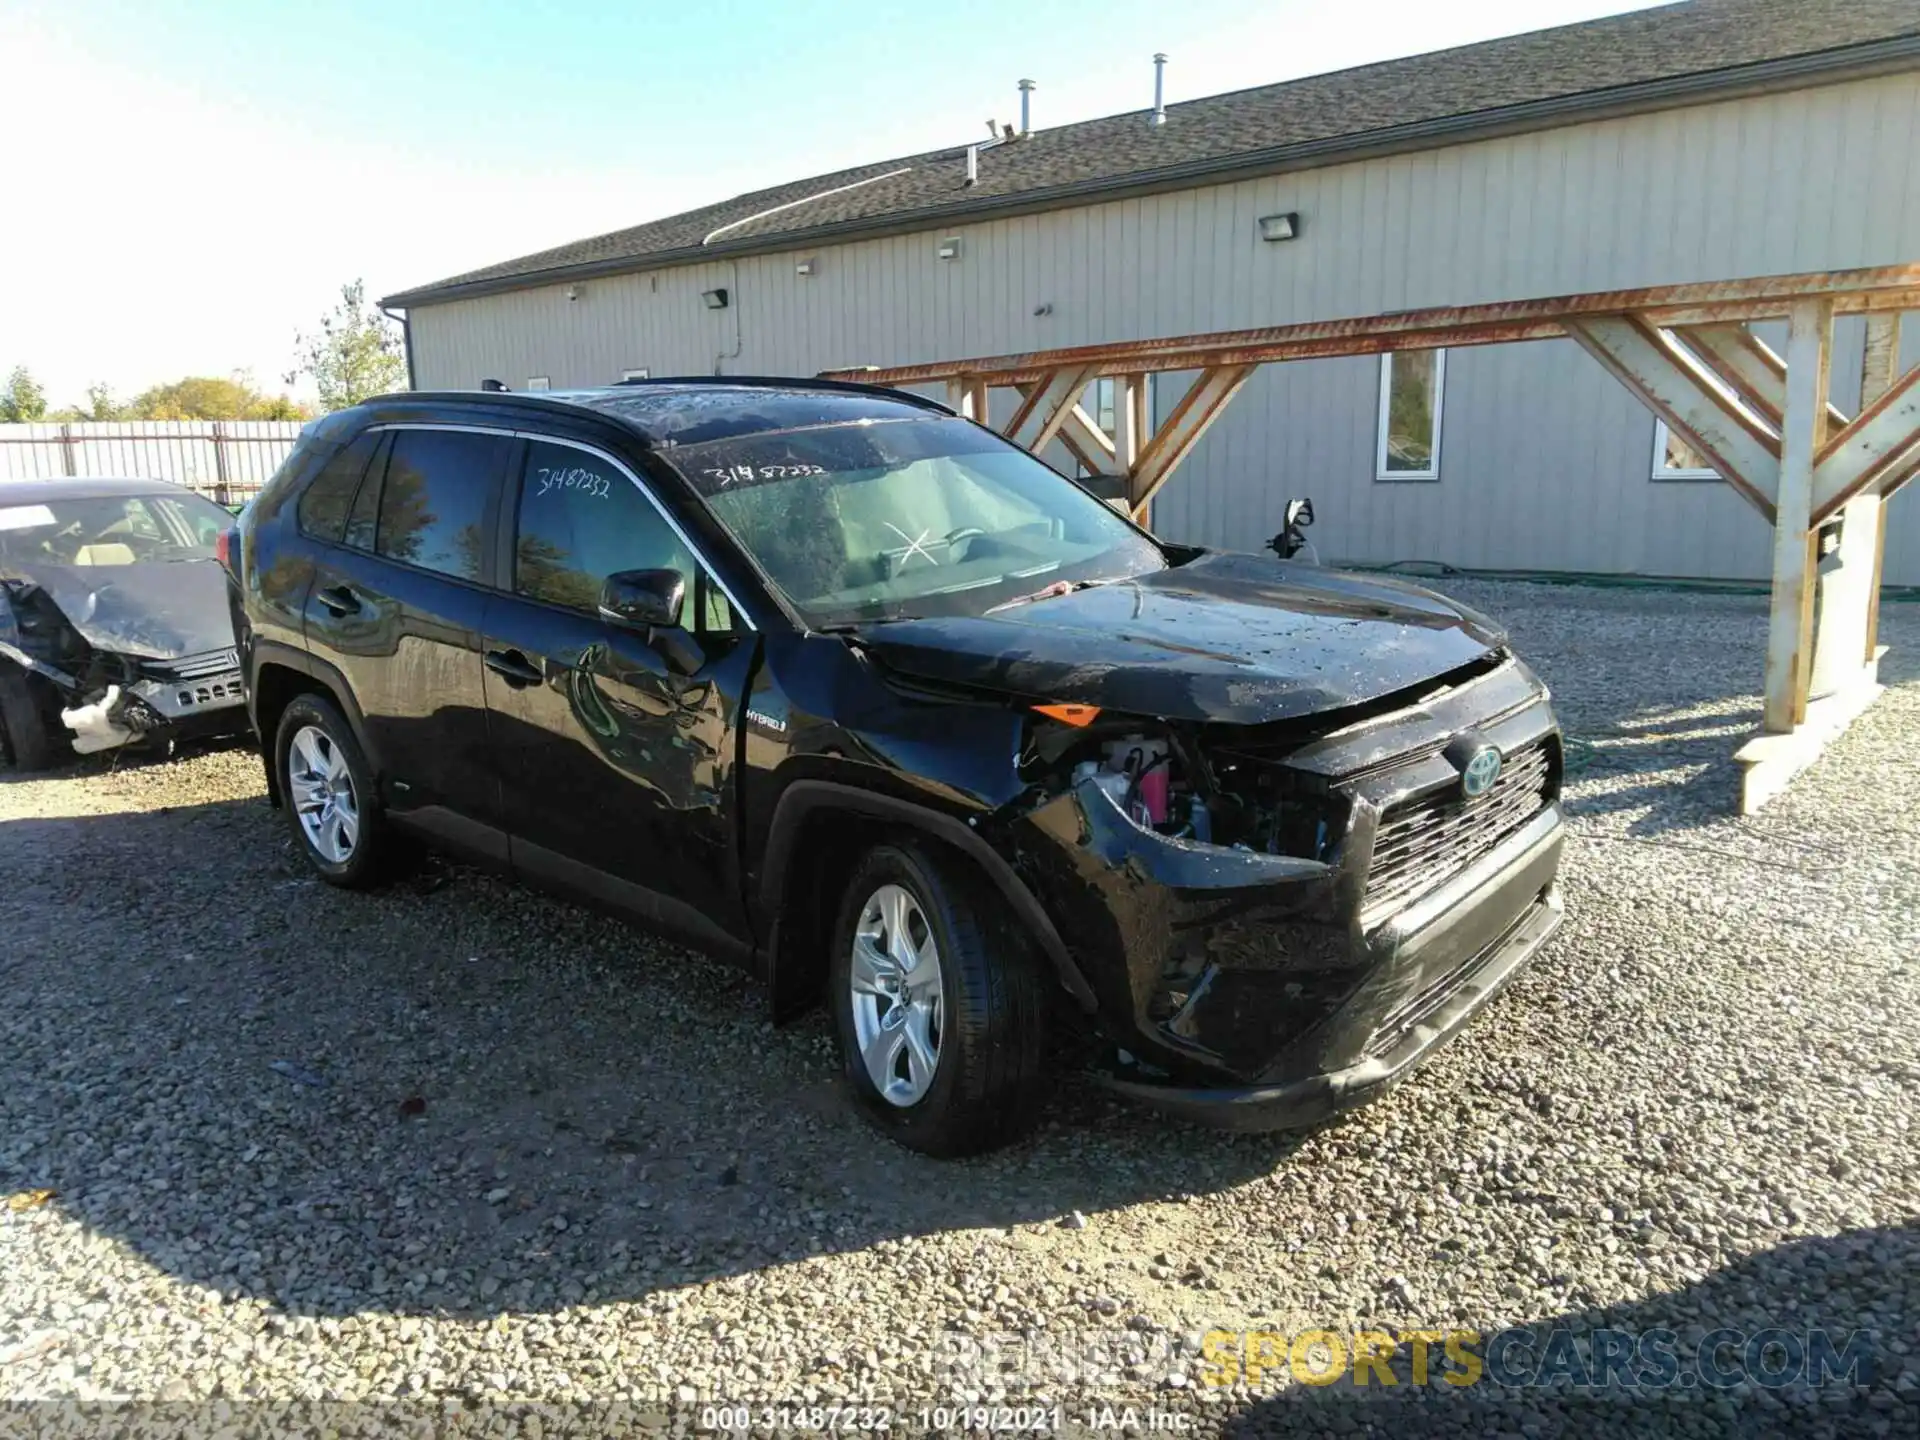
(1045, 592)
(849, 627)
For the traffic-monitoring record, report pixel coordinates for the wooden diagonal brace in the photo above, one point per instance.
(1749, 367)
(1876, 454)
(1082, 436)
(1182, 429)
(1648, 362)
(1739, 357)
(1046, 407)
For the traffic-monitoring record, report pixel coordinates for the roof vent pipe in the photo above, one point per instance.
(1026, 105)
(1159, 116)
(973, 164)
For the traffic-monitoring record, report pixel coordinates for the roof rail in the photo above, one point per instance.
(791, 382)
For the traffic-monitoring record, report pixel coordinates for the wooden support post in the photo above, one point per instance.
(1131, 423)
(1803, 432)
(1881, 359)
(1793, 731)
(967, 397)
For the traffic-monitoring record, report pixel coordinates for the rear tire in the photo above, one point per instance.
(981, 1021)
(24, 726)
(331, 804)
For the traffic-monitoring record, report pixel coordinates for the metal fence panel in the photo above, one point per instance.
(226, 460)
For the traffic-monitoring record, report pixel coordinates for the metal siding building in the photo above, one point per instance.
(1545, 462)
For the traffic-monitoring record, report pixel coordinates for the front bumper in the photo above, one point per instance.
(1266, 990)
(1484, 926)
(159, 707)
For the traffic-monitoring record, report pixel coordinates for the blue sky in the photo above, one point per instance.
(209, 173)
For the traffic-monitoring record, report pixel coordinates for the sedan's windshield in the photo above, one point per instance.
(110, 530)
(891, 519)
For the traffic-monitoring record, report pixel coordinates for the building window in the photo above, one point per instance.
(1675, 459)
(1411, 386)
(539, 382)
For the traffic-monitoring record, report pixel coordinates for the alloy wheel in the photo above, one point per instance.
(321, 788)
(897, 995)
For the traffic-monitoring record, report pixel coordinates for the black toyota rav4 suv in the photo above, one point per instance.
(830, 681)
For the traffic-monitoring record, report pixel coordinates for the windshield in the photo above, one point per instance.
(110, 530)
(893, 519)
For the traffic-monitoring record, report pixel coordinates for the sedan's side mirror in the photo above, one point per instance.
(643, 599)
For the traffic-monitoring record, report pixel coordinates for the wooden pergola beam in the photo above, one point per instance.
(1879, 289)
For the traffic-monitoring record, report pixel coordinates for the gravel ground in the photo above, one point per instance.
(455, 1141)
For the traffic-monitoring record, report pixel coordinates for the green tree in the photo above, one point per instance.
(207, 397)
(100, 405)
(358, 352)
(22, 401)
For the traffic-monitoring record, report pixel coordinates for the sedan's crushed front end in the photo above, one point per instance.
(119, 656)
(1295, 915)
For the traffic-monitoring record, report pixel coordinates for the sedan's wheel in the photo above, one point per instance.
(320, 789)
(330, 800)
(937, 1002)
(894, 973)
(26, 736)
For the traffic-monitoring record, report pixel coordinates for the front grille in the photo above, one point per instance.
(207, 694)
(1422, 842)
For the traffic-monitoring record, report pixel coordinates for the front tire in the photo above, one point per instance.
(24, 728)
(331, 804)
(938, 1006)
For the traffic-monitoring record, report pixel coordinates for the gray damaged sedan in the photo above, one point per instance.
(114, 623)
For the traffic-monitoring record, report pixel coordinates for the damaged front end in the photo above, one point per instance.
(112, 671)
(1279, 919)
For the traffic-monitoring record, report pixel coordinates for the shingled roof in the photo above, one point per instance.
(1644, 60)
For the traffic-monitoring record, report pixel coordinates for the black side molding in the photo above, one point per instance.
(803, 797)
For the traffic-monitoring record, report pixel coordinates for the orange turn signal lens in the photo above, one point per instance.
(1070, 714)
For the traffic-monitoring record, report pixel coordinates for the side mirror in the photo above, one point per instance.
(642, 599)
(1299, 512)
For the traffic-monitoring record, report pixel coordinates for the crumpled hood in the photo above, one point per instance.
(1231, 639)
(154, 611)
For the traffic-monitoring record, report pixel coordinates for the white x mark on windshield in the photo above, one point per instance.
(914, 547)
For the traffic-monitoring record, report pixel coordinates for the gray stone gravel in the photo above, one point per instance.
(516, 1152)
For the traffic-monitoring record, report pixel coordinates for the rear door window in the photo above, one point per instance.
(365, 514)
(325, 503)
(433, 501)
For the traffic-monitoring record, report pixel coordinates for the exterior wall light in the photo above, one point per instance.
(1280, 227)
(949, 248)
(715, 299)
(805, 267)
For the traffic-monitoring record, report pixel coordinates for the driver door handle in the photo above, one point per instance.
(340, 599)
(514, 668)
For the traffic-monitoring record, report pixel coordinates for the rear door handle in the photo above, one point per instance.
(514, 668)
(340, 599)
